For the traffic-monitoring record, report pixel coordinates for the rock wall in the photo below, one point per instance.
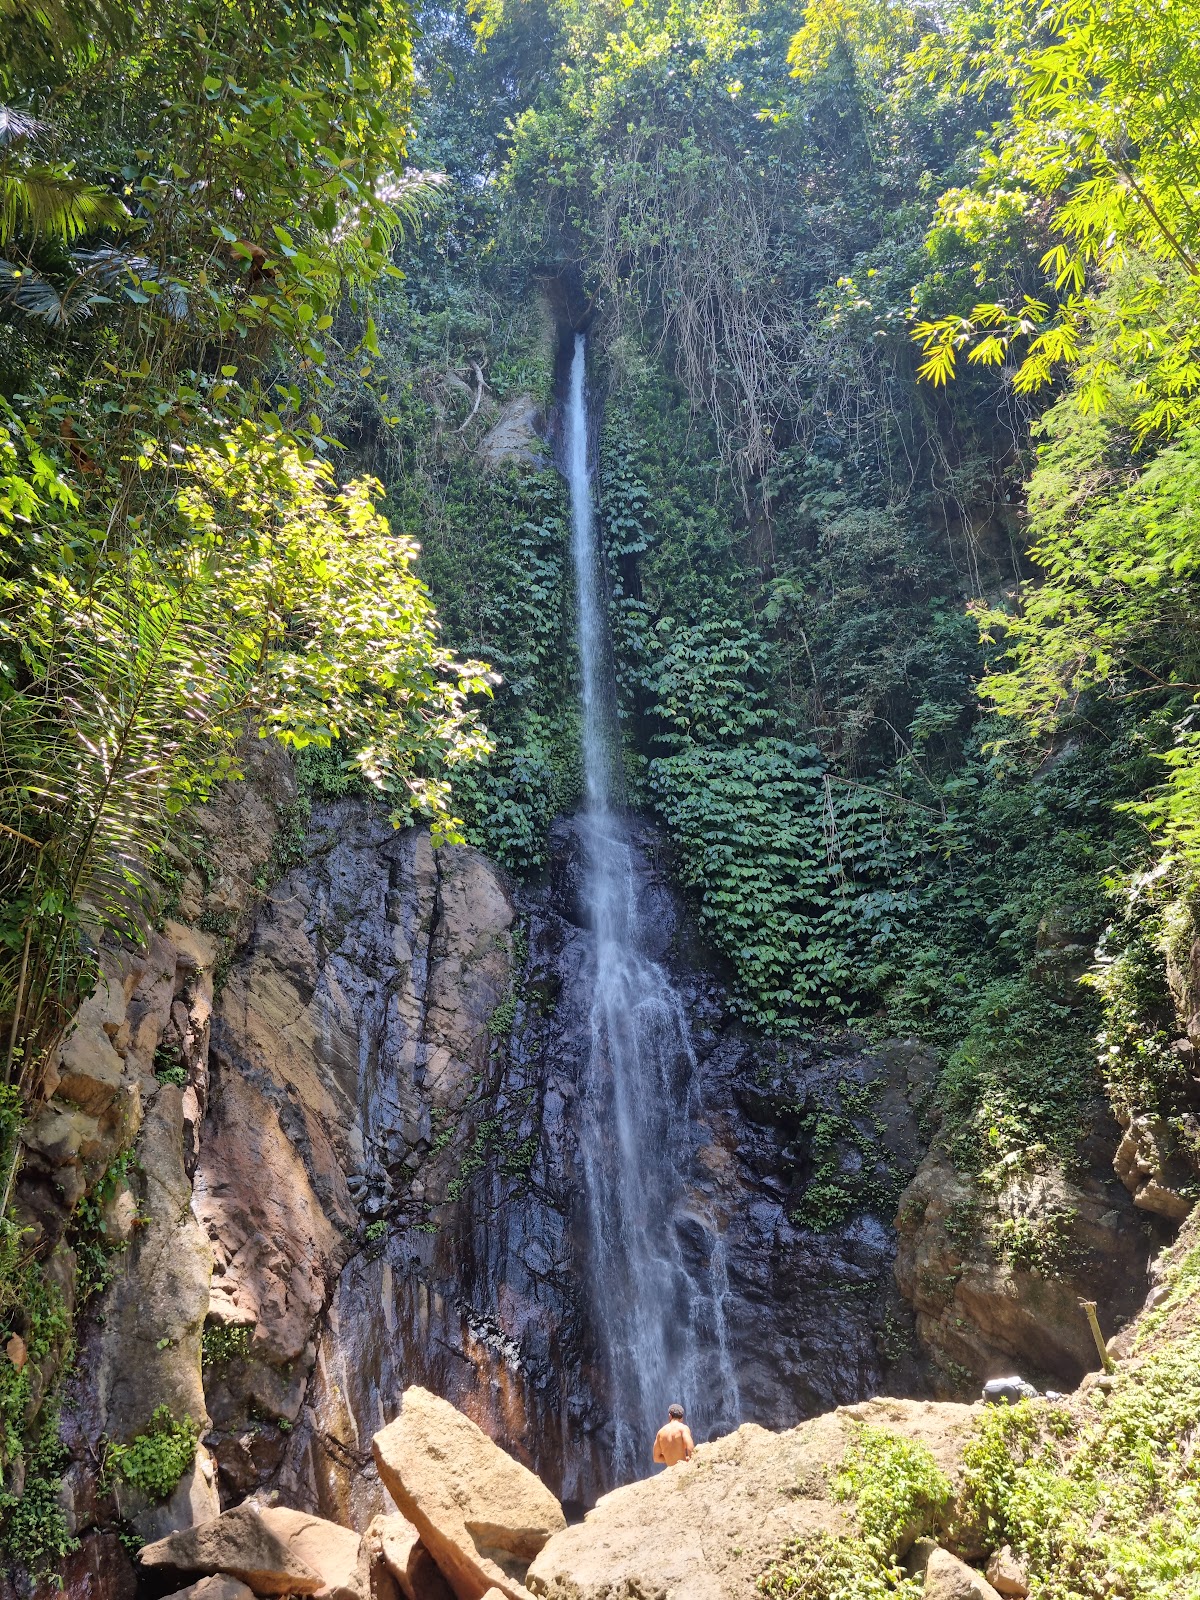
(350, 1093)
(389, 1178)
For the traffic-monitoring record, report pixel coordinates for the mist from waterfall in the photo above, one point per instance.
(660, 1320)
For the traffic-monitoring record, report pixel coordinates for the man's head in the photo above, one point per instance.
(675, 1413)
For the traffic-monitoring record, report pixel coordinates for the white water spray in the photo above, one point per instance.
(659, 1314)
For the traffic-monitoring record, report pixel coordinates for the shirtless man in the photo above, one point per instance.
(673, 1441)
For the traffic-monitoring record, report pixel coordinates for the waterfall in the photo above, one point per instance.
(658, 1310)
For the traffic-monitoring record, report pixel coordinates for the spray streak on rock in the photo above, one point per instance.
(662, 1327)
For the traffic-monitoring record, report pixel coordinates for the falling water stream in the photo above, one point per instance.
(658, 1308)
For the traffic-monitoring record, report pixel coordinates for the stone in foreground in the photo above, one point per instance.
(1006, 1574)
(706, 1529)
(481, 1515)
(413, 1568)
(325, 1546)
(241, 1545)
(948, 1578)
(221, 1587)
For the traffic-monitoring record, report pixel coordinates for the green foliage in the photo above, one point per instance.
(34, 1531)
(155, 1461)
(898, 1489)
(1102, 140)
(824, 1566)
(94, 1249)
(1106, 1493)
(898, 1492)
(223, 1342)
(1017, 1086)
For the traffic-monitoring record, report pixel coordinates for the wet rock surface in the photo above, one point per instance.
(389, 1174)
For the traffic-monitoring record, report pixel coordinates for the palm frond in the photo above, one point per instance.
(48, 201)
(37, 296)
(18, 127)
(96, 754)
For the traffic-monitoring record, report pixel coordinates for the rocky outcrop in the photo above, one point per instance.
(392, 1129)
(481, 1515)
(349, 1048)
(241, 1544)
(996, 1281)
(708, 1528)
(517, 437)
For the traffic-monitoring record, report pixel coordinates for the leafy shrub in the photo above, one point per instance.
(35, 1529)
(155, 1461)
(898, 1489)
(223, 1342)
(826, 1567)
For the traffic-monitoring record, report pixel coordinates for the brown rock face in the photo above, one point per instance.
(482, 1516)
(240, 1544)
(980, 1314)
(948, 1578)
(706, 1529)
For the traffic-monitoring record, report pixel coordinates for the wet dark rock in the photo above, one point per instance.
(390, 1176)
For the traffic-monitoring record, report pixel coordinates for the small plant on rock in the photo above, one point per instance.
(155, 1460)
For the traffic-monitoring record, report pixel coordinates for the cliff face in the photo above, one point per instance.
(351, 1100)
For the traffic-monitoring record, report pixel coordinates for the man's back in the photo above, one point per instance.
(673, 1443)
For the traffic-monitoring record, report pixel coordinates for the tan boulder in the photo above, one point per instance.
(408, 1560)
(325, 1546)
(948, 1578)
(219, 1587)
(89, 1069)
(481, 1515)
(240, 1544)
(1006, 1574)
(707, 1529)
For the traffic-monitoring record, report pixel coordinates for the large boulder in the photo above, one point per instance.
(981, 1312)
(482, 1516)
(407, 1559)
(329, 1549)
(706, 1529)
(241, 1544)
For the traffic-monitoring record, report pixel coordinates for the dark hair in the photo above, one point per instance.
(675, 1413)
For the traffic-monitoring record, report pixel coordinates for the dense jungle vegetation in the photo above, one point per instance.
(894, 328)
